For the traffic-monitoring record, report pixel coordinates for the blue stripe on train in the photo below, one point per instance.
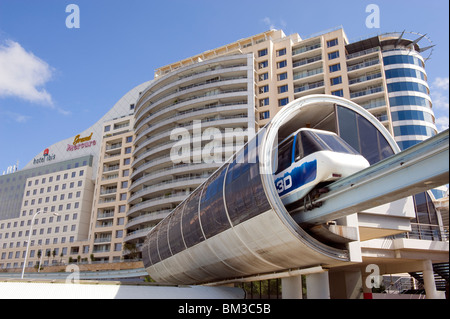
(298, 177)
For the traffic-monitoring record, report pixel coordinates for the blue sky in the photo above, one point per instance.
(69, 78)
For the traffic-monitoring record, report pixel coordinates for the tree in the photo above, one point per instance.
(133, 252)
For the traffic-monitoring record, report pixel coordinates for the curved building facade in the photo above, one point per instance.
(408, 91)
(186, 125)
(235, 225)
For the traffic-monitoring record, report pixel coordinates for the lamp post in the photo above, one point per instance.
(29, 239)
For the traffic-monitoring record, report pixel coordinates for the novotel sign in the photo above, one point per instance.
(81, 142)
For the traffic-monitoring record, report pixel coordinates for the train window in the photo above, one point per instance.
(336, 144)
(284, 155)
(310, 144)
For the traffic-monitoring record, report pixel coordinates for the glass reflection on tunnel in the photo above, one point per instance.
(232, 195)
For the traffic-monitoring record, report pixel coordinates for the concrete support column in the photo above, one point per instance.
(428, 280)
(291, 287)
(346, 285)
(317, 286)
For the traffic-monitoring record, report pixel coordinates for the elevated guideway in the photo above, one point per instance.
(414, 170)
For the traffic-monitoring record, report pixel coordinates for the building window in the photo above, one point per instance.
(336, 80)
(282, 76)
(281, 64)
(264, 89)
(107, 128)
(264, 115)
(333, 55)
(263, 64)
(283, 102)
(407, 86)
(263, 76)
(129, 139)
(338, 93)
(332, 43)
(262, 52)
(335, 67)
(264, 102)
(281, 52)
(283, 89)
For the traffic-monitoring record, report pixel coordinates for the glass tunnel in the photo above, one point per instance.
(235, 224)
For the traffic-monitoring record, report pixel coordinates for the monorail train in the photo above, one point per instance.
(309, 157)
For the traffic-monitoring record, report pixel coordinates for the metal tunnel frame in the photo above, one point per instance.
(234, 224)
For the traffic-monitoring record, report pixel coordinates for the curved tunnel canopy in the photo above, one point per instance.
(235, 224)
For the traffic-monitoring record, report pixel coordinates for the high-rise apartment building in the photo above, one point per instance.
(111, 193)
(245, 83)
(385, 74)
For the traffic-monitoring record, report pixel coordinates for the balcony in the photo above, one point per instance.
(309, 75)
(102, 239)
(309, 86)
(307, 61)
(362, 53)
(372, 64)
(307, 48)
(108, 191)
(367, 91)
(365, 78)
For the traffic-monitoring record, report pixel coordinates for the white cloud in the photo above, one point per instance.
(441, 83)
(23, 75)
(439, 93)
(272, 25)
(439, 97)
(16, 117)
(440, 100)
(267, 21)
(442, 123)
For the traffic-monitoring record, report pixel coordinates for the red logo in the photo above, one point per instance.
(46, 152)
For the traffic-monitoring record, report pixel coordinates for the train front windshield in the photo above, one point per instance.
(307, 143)
(312, 142)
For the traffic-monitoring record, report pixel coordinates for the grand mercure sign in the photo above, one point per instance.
(81, 142)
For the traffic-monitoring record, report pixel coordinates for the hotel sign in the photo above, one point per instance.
(81, 142)
(46, 157)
